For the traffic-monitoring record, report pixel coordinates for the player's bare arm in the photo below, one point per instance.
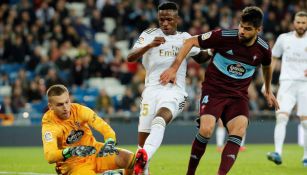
(273, 64)
(268, 94)
(138, 53)
(170, 74)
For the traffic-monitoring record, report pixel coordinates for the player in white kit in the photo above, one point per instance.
(160, 104)
(292, 47)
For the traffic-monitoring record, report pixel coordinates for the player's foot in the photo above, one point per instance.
(140, 162)
(274, 157)
(242, 148)
(305, 162)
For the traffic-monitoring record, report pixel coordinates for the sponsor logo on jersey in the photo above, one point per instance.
(74, 136)
(206, 35)
(236, 69)
(48, 136)
(169, 53)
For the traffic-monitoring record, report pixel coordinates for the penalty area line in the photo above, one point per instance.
(23, 173)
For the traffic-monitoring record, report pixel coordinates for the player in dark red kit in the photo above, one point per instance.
(237, 54)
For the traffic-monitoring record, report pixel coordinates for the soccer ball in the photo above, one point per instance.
(112, 172)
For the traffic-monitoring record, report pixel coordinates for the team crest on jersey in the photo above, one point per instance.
(74, 136)
(140, 40)
(48, 136)
(206, 35)
(236, 69)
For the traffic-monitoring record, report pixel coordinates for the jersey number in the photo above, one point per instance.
(145, 109)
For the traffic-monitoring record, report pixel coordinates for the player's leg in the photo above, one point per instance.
(207, 124)
(170, 103)
(210, 107)
(81, 170)
(220, 135)
(124, 159)
(304, 125)
(302, 112)
(142, 136)
(236, 128)
(286, 99)
(153, 141)
(147, 114)
(243, 147)
(235, 118)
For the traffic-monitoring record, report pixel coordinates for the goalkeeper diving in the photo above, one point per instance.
(69, 142)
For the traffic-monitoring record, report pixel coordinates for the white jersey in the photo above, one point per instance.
(158, 59)
(294, 56)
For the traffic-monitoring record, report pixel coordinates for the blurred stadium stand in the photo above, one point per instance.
(86, 43)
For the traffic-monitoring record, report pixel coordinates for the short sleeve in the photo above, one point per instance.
(195, 50)
(277, 50)
(210, 39)
(267, 57)
(142, 41)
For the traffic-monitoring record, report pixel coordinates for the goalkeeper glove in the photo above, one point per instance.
(81, 151)
(108, 148)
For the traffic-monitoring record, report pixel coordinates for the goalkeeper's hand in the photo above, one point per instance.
(108, 148)
(81, 151)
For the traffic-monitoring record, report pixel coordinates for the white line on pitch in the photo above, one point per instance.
(24, 173)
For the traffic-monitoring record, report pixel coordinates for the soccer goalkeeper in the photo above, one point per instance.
(69, 142)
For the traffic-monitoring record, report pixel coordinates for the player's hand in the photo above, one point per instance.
(81, 151)
(305, 73)
(108, 148)
(270, 98)
(157, 41)
(169, 75)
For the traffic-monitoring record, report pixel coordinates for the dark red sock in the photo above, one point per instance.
(229, 154)
(198, 149)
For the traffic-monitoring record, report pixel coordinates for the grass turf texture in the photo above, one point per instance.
(172, 160)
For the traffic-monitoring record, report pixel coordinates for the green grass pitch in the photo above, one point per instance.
(170, 160)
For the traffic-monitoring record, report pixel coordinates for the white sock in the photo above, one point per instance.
(243, 140)
(220, 136)
(280, 131)
(304, 125)
(146, 168)
(155, 137)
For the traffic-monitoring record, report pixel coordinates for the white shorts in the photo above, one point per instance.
(291, 93)
(156, 97)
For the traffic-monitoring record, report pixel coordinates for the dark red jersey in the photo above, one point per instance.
(233, 64)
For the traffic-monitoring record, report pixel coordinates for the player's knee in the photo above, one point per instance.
(165, 113)
(282, 118)
(304, 124)
(158, 121)
(125, 159)
(206, 130)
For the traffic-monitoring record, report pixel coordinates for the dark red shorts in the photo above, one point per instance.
(225, 108)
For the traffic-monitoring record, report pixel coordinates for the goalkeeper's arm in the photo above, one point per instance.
(60, 155)
(81, 151)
